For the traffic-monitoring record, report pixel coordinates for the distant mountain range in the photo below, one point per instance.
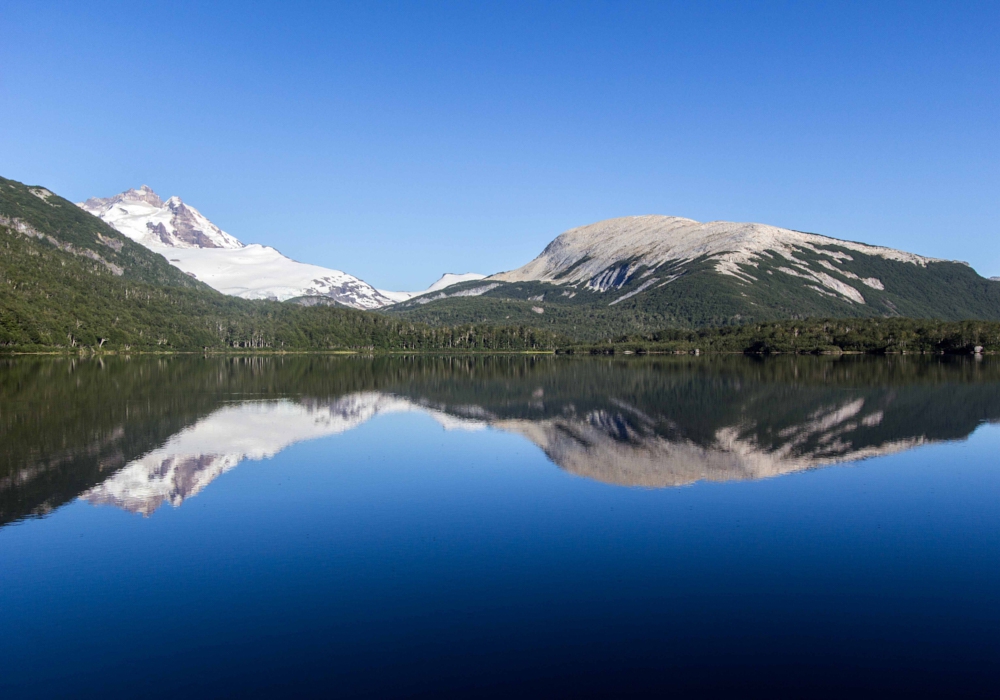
(74, 279)
(632, 274)
(189, 241)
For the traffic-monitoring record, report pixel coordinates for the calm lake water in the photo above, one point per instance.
(499, 526)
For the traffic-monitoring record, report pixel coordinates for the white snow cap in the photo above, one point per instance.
(189, 241)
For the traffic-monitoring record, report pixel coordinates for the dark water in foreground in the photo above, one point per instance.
(347, 527)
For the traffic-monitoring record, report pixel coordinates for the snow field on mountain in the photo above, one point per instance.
(261, 272)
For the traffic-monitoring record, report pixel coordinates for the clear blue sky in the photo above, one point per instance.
(399, 141)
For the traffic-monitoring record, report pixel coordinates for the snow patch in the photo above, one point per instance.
(873, 282)
(641, 288)
(42, 193)
(845, 290)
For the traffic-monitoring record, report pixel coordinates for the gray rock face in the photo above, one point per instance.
(143, 194)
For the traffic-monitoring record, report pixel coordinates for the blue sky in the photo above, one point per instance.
(397, 141)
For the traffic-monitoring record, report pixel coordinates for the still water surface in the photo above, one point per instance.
(499, 526)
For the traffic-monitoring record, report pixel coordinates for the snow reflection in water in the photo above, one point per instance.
(619, 445)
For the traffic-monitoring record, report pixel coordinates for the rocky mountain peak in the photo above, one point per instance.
(144, 194)
(145, 218)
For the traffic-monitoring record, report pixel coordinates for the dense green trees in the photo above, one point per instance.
(883, 335)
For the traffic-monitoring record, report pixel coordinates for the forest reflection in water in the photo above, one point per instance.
(141, 432)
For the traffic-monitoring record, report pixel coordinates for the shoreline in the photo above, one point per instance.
(567, 352)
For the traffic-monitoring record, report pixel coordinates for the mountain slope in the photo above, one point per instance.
(70, 281)
(200, 248)
(638, 274)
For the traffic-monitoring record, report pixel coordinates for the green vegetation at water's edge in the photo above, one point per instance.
(885, 335)
(70, 282)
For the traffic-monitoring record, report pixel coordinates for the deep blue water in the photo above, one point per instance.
(397, 558)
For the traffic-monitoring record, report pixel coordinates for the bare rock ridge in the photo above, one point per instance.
(606, 255)
(653, 240)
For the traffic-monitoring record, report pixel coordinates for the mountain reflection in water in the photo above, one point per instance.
(138, 433)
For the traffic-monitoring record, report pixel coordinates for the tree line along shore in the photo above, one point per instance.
(814, 336)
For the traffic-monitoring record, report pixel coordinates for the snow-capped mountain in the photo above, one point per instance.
(194, 244)
(446, 280)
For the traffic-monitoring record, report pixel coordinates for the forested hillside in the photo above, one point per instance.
(70, 281)
(953, 292)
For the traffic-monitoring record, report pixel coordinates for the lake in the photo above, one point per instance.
(499, 526)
